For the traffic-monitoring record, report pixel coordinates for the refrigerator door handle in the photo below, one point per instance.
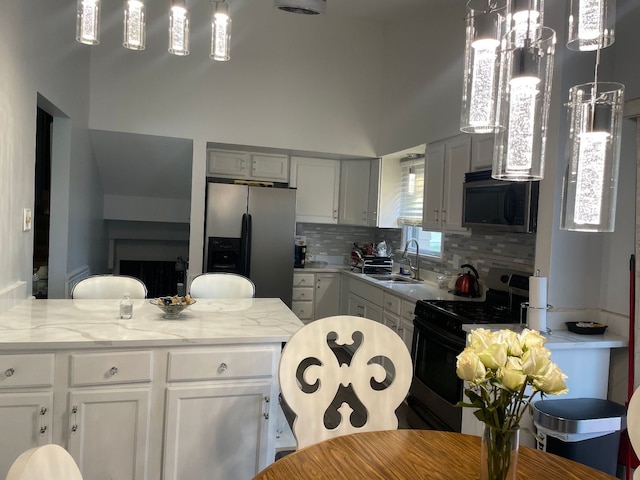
(245, 245)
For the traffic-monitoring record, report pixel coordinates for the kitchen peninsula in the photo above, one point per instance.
(148, 397)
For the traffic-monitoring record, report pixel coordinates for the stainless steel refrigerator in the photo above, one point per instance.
(249, 230)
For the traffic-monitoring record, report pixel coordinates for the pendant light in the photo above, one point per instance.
(88, 22)
(220, 31)
(179, 28)
(591, 180)
(527, 70)
(135, 29)
(591, 24)
(525, 16)
(485, 25)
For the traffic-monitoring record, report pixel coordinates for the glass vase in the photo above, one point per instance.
(499, 454)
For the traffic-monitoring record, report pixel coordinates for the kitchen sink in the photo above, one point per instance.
(393, 278)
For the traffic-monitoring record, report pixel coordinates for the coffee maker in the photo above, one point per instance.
(300, 253)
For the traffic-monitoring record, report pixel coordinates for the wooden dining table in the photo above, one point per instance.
(414, 455)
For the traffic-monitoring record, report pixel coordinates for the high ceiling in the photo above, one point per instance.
(381, 10)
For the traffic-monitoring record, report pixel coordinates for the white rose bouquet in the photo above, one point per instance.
(499, 366)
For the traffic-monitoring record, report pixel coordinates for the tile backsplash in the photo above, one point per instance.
(506, 250)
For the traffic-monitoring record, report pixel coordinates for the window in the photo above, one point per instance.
(411, 199)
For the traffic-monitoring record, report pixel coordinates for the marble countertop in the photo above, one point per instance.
(47, 324)
(564, 339)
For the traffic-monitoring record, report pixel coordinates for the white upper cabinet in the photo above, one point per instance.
(354, 192)
(482, 151)
(248, 166)
(317, 181)
(446, 163)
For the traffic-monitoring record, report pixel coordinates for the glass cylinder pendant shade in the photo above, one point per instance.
(523, 106)
(485, 25)
(88, 22)
(179, 28)
(220, 32)
(135, 30)
(591, 24)
(591, 180)
(525, 17)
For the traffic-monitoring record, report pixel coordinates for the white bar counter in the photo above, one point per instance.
(50, 324)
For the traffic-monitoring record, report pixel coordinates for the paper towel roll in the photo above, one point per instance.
(537, 319)
(538, 292)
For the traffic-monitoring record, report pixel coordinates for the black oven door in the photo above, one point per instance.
(436, 388)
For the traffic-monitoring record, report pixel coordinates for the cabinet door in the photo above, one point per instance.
(433, 187)
(270, 167)
(354, 192)
(374, 192)
(25, 420)
(360, 307)
(217, 431)
(228, 164)
(109, 432)
(318, 183)
(457, 160)
(327, 295)
(406, 332)
(482, 152)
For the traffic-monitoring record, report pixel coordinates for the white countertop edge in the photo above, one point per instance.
(563, 339)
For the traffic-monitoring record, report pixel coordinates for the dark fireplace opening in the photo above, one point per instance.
(160, 277)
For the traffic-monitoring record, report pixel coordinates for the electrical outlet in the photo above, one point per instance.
(27, 219)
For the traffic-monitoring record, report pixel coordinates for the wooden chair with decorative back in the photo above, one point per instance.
(47, 462)
(108, 286)
(362, 391)
(221, 285)
(633, 426)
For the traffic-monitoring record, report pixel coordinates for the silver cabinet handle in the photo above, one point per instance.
(9, 372)
(112, 371)
(222, 367)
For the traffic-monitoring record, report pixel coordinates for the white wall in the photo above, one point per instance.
(38, 56)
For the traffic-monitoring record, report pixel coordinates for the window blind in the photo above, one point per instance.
(411, 203)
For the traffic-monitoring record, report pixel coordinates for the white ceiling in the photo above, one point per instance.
(152, 166)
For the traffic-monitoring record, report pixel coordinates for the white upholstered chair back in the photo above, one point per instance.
(48, 462)
(311, 375)
(221, 285)
(108, 286)
(633, 426)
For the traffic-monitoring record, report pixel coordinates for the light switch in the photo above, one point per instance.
(27, 220)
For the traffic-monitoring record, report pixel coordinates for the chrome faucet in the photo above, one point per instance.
(416, 269)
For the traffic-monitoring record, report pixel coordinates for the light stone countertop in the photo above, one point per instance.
(563, 339)
(47, 324)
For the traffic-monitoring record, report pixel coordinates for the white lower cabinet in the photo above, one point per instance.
(361, 307)
(25, 420)
(109, 432)
(182, 412)
(316, 295)
(216, 431)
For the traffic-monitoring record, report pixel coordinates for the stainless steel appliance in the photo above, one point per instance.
(248, 230)
(438, 338)
(499, 205)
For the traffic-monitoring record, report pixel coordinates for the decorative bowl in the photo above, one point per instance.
(172, 306)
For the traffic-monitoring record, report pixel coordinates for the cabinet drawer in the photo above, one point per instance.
(392, 303)
(408, 309)
(367, 291)
(220, 363)
(112, 367)
(302, 294)
(26, 370)
(303, 310)
(303, 280)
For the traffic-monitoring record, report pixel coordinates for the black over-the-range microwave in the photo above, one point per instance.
(499, 205)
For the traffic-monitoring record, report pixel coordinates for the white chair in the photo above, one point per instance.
(311, 375)
(221, 285)
(633, 426)
(48, 462)
(108, 286)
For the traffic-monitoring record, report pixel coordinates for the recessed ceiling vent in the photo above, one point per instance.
(305, 7)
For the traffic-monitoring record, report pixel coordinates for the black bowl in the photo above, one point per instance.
(586, 328)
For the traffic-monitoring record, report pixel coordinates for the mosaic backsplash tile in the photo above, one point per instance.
(506, 250)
